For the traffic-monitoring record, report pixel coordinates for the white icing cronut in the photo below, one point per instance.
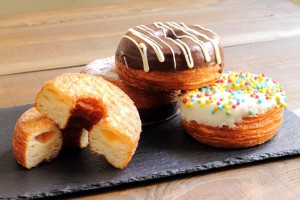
(234, 96)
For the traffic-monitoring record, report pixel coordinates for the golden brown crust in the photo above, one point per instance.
(147, 98)
(153, 106)
(250, 132)
(19, 145)
(168, 80)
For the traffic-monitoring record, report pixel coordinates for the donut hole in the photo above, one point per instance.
(171, 35)
(87, 112)
(75, 137)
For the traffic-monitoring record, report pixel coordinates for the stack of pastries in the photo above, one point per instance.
(107, 102)
(229, 110)
(153, 63)
(154, 106)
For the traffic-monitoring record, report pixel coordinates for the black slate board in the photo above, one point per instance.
(164, 150)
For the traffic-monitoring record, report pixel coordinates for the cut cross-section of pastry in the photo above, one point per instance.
(92, 103)
(36, 139)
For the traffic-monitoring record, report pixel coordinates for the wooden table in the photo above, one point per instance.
(259, 36)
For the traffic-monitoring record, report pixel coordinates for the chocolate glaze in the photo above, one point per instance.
(166, 38)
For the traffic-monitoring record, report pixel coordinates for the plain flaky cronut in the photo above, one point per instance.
(98, 106)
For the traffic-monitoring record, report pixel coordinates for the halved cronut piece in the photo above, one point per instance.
(36, 139)
(92, 103)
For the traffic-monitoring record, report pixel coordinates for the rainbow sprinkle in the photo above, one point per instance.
(236, 88)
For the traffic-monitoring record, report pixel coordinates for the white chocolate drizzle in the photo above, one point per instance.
(170, 26)
(215, 45)
(142, 48)
(192, 38)
(188, 57)
(186, 51)
(143, 27)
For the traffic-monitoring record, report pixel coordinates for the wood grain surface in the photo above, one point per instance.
(260, 36)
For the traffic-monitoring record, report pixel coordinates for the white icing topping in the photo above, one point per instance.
(104, 67)
(233, 97)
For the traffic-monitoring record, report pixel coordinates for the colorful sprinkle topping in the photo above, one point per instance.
(234, 96)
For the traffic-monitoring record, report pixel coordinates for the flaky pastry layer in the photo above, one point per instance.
(250, 132)
(168, 80)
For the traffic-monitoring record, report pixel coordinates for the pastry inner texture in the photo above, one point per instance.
(86, 113)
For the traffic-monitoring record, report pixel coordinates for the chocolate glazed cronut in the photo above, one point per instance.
(169, 56)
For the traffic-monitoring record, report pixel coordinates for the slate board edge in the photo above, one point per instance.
(19, 106)
(213, 165)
